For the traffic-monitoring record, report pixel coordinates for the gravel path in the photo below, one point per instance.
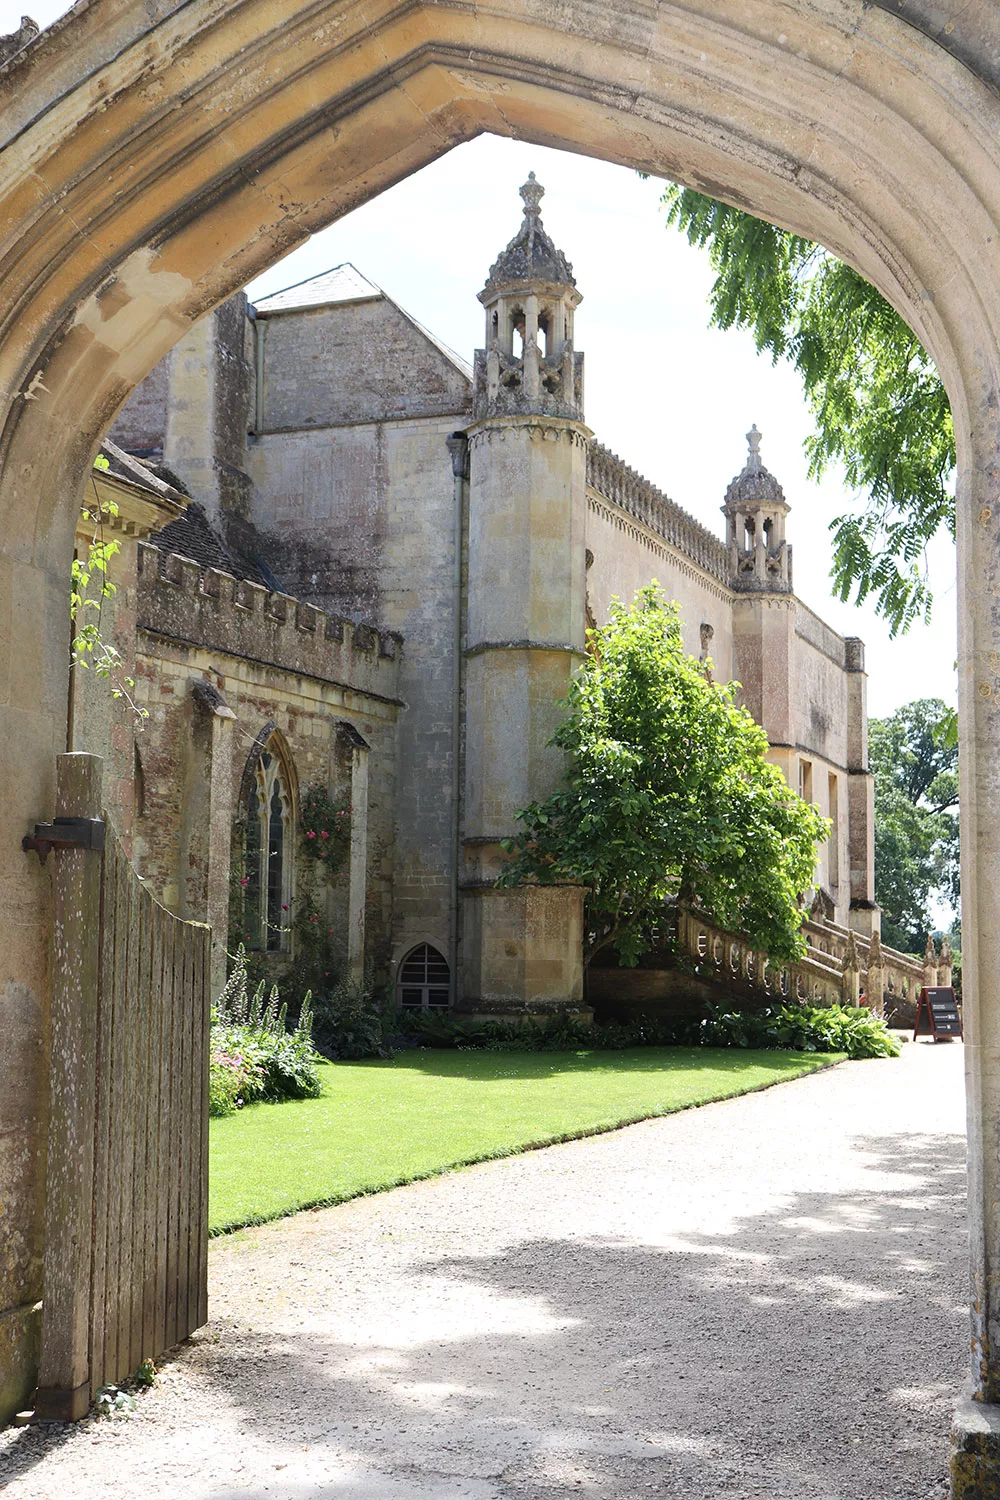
(764, 1297)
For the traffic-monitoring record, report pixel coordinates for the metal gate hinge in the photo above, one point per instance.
(64, 833)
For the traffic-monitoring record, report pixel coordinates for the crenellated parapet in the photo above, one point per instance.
(187, 602)
(610, 477)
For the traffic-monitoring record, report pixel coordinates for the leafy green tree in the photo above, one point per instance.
(666, 794)
(916, 820)
(878, 403)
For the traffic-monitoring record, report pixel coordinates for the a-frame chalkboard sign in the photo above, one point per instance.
(938, 1011)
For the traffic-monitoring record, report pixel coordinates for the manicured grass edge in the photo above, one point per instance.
(807, 1070)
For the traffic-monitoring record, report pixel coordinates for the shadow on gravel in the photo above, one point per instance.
(815, 1353)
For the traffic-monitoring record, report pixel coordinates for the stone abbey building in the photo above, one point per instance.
(352, 561)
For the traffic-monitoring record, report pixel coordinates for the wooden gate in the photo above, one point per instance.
(126, 1211)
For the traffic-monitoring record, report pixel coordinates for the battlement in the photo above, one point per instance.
(187, 601)
(610, 477)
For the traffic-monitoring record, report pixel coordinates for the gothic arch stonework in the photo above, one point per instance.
(146, 171)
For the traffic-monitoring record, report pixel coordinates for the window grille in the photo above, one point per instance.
(424, 980)
(267, 872)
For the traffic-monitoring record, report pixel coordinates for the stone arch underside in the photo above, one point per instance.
(147, 171)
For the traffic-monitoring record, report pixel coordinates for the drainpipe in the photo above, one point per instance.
(260, 333)
(458, 447)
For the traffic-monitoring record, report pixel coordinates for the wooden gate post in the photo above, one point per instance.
(64, 1373)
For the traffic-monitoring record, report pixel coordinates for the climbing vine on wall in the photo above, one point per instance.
(324, 839)
(325, 828)
(90, 585)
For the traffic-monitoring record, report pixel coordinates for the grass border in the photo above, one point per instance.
(257, 1221)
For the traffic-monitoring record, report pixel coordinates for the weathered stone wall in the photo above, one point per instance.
(360, 518)
(293, 668)
(628, 555)
(141, 424)
(819, 705)
(193, 412)
(354, 362)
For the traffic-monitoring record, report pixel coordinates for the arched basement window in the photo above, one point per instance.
(424, 980)
(267, 872)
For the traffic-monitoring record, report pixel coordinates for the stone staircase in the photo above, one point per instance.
(840, 966)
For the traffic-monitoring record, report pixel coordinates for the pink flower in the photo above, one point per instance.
(245, 880)
(311, 833)
(284, 908)
(324, 834)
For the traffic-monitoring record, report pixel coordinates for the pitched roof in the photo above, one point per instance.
(192, 535)
(345, 283)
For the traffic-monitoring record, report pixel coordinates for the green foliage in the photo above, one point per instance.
(916, 819)
(878, 403)
(666, 794)
(350, 1021)
(254, 1055)
(325, 827)
(799, 1028)
(90, 585)
(319, 948)
(558, 1032)
(114, 1403)
(803, 1028)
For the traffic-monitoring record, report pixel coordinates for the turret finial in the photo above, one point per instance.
(753, 441)
(532, 192)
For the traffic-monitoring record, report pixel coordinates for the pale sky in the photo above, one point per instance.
(671, 397)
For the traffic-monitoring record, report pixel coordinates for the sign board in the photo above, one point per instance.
(938, 1012)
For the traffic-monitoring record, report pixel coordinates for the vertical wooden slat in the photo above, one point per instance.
(140, 1022)
(185, 1131)
(151, 1348)
(195, 1001)
(116, 1137)
(127, 1047)
(205, 1000)
(164, 1141)
(149, 1220)
(102, 1140)
(174, 1157)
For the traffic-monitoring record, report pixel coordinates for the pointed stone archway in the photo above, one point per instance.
(147, 170)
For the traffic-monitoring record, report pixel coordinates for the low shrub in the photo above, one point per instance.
(803, 1028)
(350, 1021)
(800, 1028)
(254, 1055)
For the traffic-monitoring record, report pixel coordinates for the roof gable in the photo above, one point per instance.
(346, 284)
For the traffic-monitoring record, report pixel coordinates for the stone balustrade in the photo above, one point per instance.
(902, 973)
(615, 481)
(838, 965)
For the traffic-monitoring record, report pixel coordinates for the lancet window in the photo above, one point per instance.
(267, 853)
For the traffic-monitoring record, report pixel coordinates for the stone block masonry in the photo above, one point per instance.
(180, 599)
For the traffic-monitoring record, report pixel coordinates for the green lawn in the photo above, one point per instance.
(379, 1124)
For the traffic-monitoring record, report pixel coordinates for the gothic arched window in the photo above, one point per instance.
(424, 980)
(267, 853)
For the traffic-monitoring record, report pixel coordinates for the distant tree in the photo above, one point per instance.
(667, 794)
(916, 819)
(878, 403)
